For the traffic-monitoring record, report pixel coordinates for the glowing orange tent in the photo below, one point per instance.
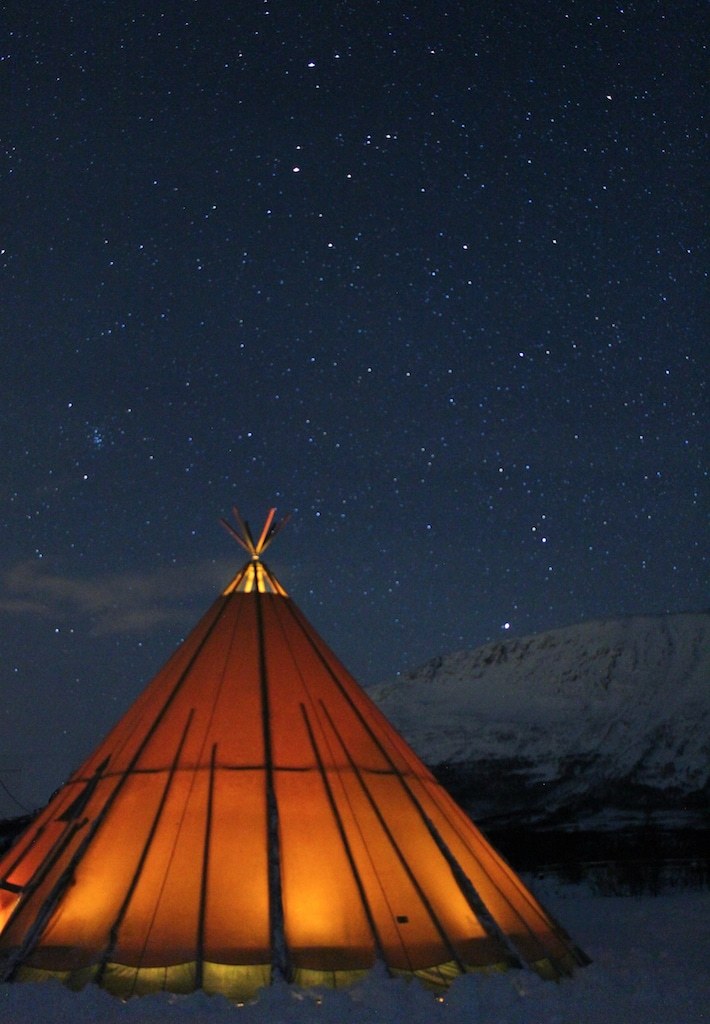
(254, 814)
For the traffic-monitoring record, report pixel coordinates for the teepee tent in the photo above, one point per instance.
(254, 815)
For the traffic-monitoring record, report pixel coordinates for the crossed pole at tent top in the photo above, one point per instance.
(244, 536)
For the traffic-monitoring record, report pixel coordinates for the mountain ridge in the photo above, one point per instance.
(604, 724)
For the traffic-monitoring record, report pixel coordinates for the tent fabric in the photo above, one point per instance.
(254, 813)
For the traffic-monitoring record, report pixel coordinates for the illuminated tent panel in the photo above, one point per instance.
(254, 814)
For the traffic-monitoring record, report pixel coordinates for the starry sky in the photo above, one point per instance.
(430, 276)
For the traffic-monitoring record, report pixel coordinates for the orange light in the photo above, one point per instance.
(8, 902)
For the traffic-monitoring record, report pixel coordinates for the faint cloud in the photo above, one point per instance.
(114, 603)
(16, 604)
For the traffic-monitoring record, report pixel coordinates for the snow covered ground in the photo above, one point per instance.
(650, 966)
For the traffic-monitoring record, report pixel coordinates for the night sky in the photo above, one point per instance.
(428, 275)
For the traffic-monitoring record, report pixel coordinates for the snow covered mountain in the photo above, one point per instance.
(604, 725)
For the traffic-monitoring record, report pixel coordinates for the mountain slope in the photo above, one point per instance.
(600, 725)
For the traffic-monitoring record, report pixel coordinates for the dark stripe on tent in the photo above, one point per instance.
(58, 849)
(343, 837)
(277, 936)
(123, 909)
(393, 842)
(200, 954)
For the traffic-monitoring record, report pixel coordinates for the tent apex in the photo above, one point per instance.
(244, 536)
(255, 576)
